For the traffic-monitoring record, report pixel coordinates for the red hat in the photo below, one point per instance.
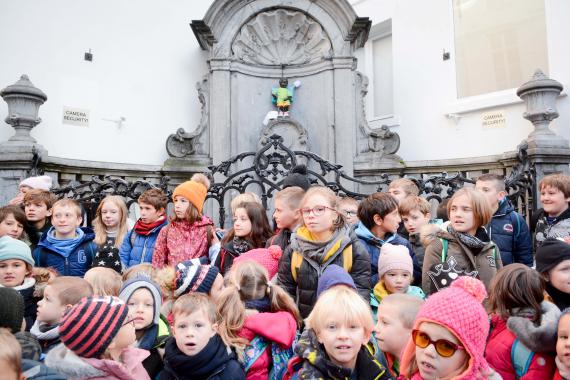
(267, 257)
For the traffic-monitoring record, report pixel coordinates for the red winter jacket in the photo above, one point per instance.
(279, 327)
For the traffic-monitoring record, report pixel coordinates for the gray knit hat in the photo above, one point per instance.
(141, 280)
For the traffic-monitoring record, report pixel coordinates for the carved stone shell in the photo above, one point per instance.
(281, 37)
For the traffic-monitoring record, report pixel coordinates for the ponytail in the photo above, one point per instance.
(231, 312)
(282, 301)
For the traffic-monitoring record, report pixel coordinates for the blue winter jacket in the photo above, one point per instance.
(70, 257)
(509, 231)
(138, 249)
(373, 245)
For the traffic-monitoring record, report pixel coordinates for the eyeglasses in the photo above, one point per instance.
(444, 347)
(349, 213)
(317, 210)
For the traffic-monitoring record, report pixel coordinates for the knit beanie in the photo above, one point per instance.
(192, 276)
(394, 257)
(31, 348)
(14, 249)
(91, 325)
(11, 309)
(334, 275)
(459, 309)
(550, 254)
(267, 257)
(194, 191)
(142, 280)
(297, 177)
(42, 182)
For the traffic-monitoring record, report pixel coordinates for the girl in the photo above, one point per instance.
(110, 226)
(105, 281)
(321, 240)
(251, 230)
(189, 233)
(463, 248)
(447, 342)
(256, 314)
(12, 222)
(553, 263)
(563, 347)
(521, 317)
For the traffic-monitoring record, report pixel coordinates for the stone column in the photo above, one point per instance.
(221, 139)
(344, 113)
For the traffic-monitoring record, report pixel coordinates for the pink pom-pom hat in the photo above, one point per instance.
(268, 257)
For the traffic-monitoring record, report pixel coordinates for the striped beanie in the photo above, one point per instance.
(142, 280)
(91, 325)
(192, 276)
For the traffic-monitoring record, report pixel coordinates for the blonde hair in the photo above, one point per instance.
(291, 196)
(331, 198)
(414, 202)
(66, 202)
(139, 268)
(99, 226)
(243, 198)
(105, 281)
(407, 306)
(192, 302)
(409, 187)
(482, 212)
(10, 351)
(70, 290)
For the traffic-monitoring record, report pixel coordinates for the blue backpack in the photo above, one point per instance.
(280, 356)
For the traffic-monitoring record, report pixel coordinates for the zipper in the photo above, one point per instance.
(144, 250)
(66, 267)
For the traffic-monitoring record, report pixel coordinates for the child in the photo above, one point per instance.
(335, 343)
(553, 263)
(333, 276)
(105, 281)
(196, 351)
(522, 321)
(448, 342)
(139, 268)
(322, 240)
(12, 317)
(138, 245)
(110, 226)
(38, 207)
(60, 295)
(553, 219)
(251, 230)
(286, 215)
(415, 213)
(10, 356)
(189, 234)
(563, 347)
(396, 316)
(403, 187)
(379, 221)
(43, 182)
(97, 334)
(349, 208)
(464, 248)
(12, 221)
(266, 257)
(65, 247)
(243, 198)
(144, 300)
(508, 229)
(257, 314)
(297, 177)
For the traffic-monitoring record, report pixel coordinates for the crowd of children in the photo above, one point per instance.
(338, 289)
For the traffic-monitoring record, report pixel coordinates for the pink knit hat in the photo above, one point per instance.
(267, 257)
(394, 257)
(457, 308)
(43, 182)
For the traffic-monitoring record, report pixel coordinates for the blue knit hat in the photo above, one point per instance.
(332, 276)
(141, 280)
(14, 249)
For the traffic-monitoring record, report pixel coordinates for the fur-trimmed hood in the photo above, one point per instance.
(65, 362)
(541, 338)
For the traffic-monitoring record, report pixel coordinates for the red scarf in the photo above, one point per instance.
(144, 229)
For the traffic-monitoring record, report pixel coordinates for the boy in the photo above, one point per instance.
(65, 247)
(138, 245)
(507, 228)
(38, 207)
(43, 182)
(396, 316)
(349, 208)
(553, 219)
(196, 350)
(415, 213)
(400, 189)
(287, 215)
(60, 295)
(379, 221)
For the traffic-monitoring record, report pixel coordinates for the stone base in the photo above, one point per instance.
(374, 161)
(181, 169)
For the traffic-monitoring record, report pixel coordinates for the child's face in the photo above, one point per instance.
(350, 213)
(559, 276)
(285, 216)
(461, 215)
(181, 205)
(415, 220)
(217, 288)
(397, 281)
(322, 223)
(148, 213)
(141, 307)
(563, 342)
(342, 341)
(12, 272)
(242, 224)
(490, 191)
(553, 200)
(125, 337)
(397, 192)
(193, 332)
(431, 364)
(50, 309)
(390, 222)
(389, 330)
(11, 227)
(110, 215)
(36, 212)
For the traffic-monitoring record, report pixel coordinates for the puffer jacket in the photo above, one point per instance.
(459, 261)
(539, 339)
(138, 249)
(304, 289)
(543, 230)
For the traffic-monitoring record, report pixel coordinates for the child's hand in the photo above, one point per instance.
(17, 200)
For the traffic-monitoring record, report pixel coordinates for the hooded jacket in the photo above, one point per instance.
(542, 230)
(70, 257)
(138, 249)
(154, 340)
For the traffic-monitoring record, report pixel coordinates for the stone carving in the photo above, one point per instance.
(281, 37)
(293, 134)
(182, 143)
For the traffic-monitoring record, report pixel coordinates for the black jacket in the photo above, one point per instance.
(560, 227)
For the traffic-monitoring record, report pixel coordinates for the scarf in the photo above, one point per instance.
(145, 229)
(147, 340)
(476, 242)
(241, 245)
(304, 242)
(43, 331)
(66, 246)
(262, 305)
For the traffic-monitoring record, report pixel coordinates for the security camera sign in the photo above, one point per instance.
(493, 119)
(76, 116)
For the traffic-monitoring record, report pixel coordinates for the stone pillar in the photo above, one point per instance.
(344, 110)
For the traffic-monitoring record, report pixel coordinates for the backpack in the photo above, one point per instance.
(297, 260)
(280, 356)
(521, 357)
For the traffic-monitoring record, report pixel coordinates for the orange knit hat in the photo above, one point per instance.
(194, 191)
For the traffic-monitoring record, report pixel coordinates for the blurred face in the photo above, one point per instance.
(415, 220)
(242, 224)
(388, 224)
(319, 216)
(110, 215)
(11, 227)
(125, 336)
(285, 216)
(36, 212)
(493, 195)
(193, 332)
(559, 276)
(217, 288)
(391, 334)
(398, 193)
(342, 341)
(433, 366)
(350, 213)
(181, 205)
(553, 201)
(563, 342)
(397, 281)
(50, 309)
(65, 220)
(141, 308)
(461, 215)
(12, 272)
(148, 213)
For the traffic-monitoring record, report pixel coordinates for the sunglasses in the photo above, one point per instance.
(444, 347)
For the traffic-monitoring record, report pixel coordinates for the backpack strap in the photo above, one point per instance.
(132, 237)
(521, 357)
(444, 244)
(297, 260)
(347, 258)
(253, 351)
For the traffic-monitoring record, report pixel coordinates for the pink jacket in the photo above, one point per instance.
(180, 241)
(279, 327)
